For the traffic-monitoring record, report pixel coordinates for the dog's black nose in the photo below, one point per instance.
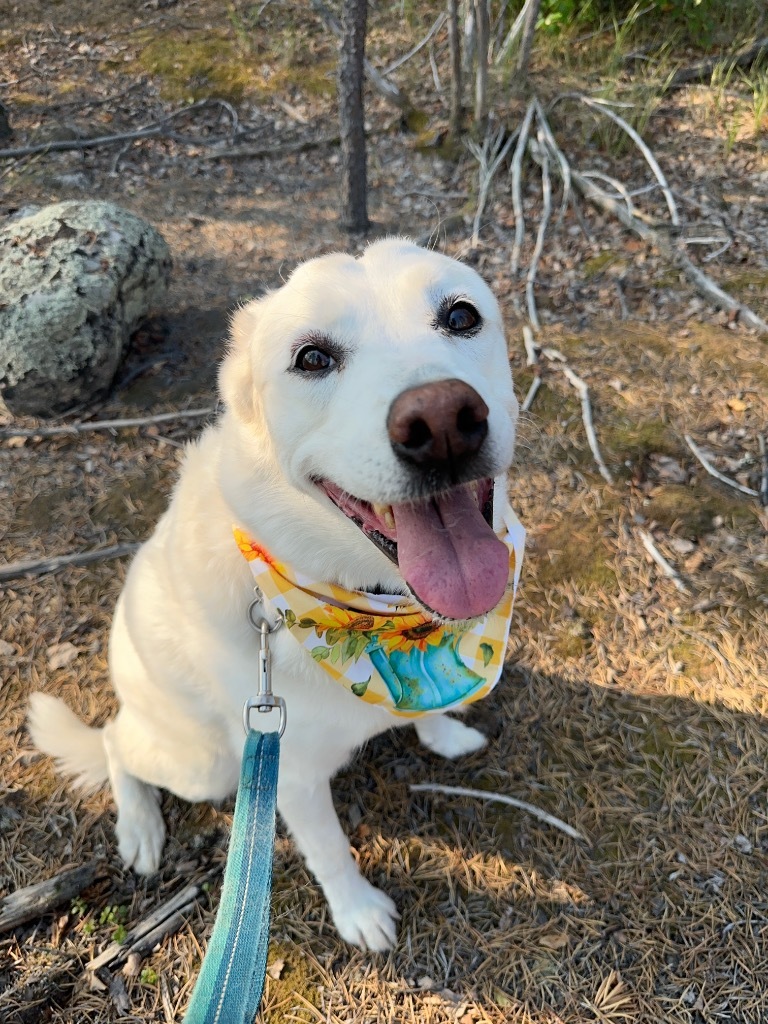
(438, 425)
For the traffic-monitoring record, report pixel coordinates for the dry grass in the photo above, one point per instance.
(632, 712)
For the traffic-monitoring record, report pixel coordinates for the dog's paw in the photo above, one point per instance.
(449, 737)
(364, 916)
(140, 835)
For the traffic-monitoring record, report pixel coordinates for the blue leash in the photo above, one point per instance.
(231, 980)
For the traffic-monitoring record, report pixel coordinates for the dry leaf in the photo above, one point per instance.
(61, 655)
(736, 404)
(553, 940)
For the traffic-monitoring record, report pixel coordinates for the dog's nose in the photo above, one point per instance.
(437, 424)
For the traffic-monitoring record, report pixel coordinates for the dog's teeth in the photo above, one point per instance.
(384, 513)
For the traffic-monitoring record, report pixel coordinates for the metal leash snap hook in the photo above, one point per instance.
(265, 701)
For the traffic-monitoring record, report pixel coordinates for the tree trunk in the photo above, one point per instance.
(354, 198)
(454, 42)
(483, 22)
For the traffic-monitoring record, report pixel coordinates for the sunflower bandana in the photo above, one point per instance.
(384, 649)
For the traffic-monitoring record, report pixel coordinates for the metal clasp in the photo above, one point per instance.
(265, 701)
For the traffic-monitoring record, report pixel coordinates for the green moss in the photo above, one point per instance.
(691, 510)
(597, 264)
(572, 552)
(570, 646)
(634, 441)
(295, 978)
(198, 65)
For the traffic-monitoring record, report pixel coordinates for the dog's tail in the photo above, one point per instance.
(78, 748)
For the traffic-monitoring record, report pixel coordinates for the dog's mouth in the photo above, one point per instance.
(444, 545)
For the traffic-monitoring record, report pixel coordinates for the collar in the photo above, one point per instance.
(383, 648)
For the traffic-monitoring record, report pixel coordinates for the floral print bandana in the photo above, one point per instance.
(384, 649)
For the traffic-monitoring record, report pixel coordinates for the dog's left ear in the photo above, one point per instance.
(235, 376)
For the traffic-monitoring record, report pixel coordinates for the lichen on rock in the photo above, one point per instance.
(76, 279)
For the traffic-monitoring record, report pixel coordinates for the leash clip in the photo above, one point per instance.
(265, 701)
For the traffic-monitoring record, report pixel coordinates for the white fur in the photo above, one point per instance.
(182, 655)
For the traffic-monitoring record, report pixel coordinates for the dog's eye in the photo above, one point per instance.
(461, 317)
(314, 360)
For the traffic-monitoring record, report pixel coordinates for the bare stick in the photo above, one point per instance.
(668, 570)
(531, 357)
(493, 151)
(532, 392)
(516, 171)
(703, 284)
(586, 415)
(481, 794)
(764, 477)
(513, 33)
(144, 935)
(716, 472)
(38, 899)
(650, 159)
(557, 153)
(546, 196)
(38, 567)
(85, 427)
(436, 26)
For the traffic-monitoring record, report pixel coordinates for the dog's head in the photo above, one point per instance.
(380, 389)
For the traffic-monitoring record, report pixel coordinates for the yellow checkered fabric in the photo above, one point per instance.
(384, 649)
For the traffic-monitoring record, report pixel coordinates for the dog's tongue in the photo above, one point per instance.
(449, 556)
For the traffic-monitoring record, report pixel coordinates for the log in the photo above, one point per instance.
(35, 900)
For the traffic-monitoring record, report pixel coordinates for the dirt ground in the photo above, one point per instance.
(632, 709)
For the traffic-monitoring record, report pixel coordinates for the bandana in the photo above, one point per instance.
(385, 649)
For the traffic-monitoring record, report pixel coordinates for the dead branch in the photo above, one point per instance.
(531, 357)
(85, 427)
(666, 567)
(546, 210)
(153, 130)
(531, 394)
(258, 152)
(436, 26)
(764, 476)
(145, 934)
(586, 415)
(482, 794)
(557, 153)
(38, 567)
(495, 147)
(516, 172)
(716, 472)
(34, 901)
(701, 70)
(513, 33)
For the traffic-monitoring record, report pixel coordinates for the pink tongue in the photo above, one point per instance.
(449, 556)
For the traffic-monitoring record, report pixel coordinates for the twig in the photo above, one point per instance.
(436, 26)
(516, 172)
(533, 266)
(557, 153)
(764, 477)
(716, 472)
(514, 32)
(83, 428)
(481, 794)
(144, 936)
(531, 394)
(153, 130)
(667, 569)
(586, 415)
(256, 152)
(37, 567)
(495, 147)
(531, 357)
(35, 900)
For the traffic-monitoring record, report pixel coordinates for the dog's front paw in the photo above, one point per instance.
(449, 737)
(364, 916)
(141, 835)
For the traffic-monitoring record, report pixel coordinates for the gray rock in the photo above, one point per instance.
(76, 278)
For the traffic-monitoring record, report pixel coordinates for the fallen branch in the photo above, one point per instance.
(516, 173)
(701, 70)
(436, 26)
(17, 570)
(145, 935)
(482, 794)
(531, 394)
(257, 152)
(495, 147)
(34, 901)
(85, 427)
(533, 266)
(716, 472)
(666, 567)
(586, 415)
(153, 130)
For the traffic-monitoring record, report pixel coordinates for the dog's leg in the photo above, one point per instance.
(363, 915)
(140, 828)
(447, 736)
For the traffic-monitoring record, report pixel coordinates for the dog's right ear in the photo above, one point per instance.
(235, 375)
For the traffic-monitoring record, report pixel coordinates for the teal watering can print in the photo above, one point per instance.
(425, 680)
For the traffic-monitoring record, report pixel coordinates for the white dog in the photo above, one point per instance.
(369, 420)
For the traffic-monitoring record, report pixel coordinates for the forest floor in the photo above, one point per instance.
(632, 709)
